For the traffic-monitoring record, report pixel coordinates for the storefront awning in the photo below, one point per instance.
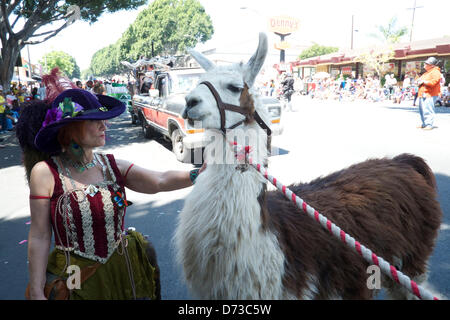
(402, 51)
(22, 79)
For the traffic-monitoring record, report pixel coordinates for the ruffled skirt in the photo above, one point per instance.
(112, 280)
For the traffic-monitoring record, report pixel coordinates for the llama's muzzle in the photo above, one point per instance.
(191, 102)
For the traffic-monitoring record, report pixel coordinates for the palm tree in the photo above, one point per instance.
(391, 33)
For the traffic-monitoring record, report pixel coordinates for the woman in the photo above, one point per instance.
(80, 195)
(99, 88)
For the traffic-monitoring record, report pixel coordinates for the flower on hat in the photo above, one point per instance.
(66, 109)
(52, 115)
(69, 108)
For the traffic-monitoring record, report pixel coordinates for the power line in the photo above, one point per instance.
(412, 24)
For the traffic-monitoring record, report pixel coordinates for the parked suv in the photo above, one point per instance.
(159, 112)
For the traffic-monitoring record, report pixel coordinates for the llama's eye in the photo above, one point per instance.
(234, 89)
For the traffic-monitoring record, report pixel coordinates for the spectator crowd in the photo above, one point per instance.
(369, 88)
(325, 87)
(12, 99)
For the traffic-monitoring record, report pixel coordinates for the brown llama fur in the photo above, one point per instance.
(388, 205)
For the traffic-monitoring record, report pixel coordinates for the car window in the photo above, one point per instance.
(163, 84)
(184, 83)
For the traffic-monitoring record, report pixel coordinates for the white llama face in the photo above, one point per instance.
(201, 104)
(229, 81)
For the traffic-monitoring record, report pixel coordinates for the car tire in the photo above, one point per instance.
(146, 129)
(178, 148)
(148, 132)
(133, 119)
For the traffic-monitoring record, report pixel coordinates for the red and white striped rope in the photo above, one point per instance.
(363, 251)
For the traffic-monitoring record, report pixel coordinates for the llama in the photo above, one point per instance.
(236, 240)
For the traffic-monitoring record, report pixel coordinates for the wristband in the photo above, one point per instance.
(193, 174)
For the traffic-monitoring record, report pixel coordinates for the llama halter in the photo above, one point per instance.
(363, 251)
(230, 107)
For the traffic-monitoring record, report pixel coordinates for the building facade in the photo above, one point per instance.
(407, 60)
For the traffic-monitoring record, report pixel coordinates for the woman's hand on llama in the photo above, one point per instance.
(203, 168)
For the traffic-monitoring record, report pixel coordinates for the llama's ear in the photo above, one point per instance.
(256, 62)
(203, 61)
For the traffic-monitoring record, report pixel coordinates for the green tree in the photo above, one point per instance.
(76, 71)
(56, 15)
(390, 33)
(105, 62)
(65, 62)
(170, 26)
(316, 50)
(85, 74)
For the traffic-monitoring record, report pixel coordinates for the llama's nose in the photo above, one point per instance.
(191, 102)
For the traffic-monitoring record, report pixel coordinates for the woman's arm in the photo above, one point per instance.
(39, 238)
(146, 181)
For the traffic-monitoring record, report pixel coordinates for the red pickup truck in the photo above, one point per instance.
(159, 112)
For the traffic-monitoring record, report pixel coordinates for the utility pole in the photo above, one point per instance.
(412, 24)
(352, 32)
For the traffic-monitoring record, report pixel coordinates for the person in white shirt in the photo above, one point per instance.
(41, 91)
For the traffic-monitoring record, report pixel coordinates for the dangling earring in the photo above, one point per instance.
(76, 151)
(77, 155)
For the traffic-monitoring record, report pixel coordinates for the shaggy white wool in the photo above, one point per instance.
(224, 252)
(222, 247)
(220, 242)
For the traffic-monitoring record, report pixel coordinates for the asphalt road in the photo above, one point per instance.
(319, 138)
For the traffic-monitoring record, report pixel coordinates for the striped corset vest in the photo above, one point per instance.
(87, 221)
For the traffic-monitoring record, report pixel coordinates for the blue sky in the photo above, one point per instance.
(322, 21)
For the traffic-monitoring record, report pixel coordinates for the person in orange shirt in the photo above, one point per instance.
(429, 90)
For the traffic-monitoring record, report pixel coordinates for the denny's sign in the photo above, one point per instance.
(283, 25)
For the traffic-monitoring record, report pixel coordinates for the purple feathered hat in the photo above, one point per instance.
(74, 105)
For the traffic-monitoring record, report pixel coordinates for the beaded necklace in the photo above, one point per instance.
(85, 166)
(80, 166)
(90, 189)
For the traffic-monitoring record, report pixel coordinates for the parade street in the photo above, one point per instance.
(319, 137)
